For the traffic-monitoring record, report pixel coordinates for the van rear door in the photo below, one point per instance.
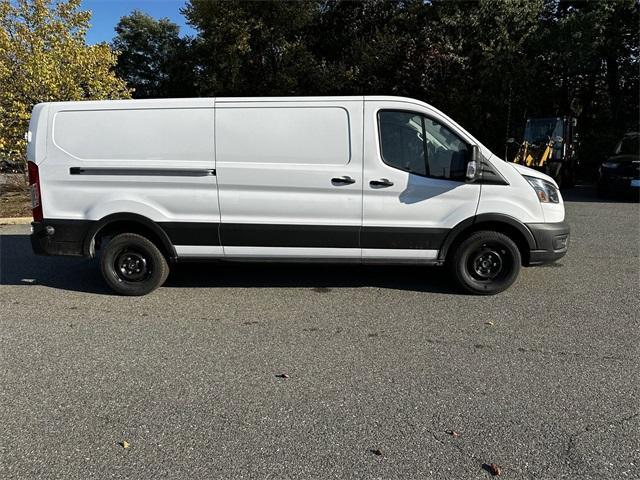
(290, 177)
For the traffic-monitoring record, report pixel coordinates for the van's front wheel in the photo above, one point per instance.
(486, 263)
(132, 265)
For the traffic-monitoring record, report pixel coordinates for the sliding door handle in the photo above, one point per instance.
(381, 183)
(342, 180)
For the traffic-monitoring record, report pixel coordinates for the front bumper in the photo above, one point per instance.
(552, 242)
(59, 237)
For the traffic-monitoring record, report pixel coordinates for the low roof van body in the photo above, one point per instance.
(340, 179)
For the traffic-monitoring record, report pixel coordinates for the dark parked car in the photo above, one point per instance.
(620, 173)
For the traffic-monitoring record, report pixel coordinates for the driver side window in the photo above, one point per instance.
(420, 145)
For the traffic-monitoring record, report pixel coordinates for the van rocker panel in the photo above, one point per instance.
(547, 241)
(76, 237)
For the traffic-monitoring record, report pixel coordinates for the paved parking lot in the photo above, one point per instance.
(541, 380)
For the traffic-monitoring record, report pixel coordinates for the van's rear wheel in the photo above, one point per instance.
(486, 263)
(132, 265)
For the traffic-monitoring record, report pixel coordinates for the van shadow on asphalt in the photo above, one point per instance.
(20, 266)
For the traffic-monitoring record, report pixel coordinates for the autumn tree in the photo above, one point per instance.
(44, 58)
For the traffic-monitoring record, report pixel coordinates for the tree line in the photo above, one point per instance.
(489, 64)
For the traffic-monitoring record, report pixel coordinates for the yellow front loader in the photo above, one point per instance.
(549, 145)
(530, 156)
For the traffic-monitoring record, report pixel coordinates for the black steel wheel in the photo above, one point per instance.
(486, 263)
(133, 265)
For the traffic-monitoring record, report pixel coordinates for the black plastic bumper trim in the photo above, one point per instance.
(548, 236)
(67, 237)
(541, 257)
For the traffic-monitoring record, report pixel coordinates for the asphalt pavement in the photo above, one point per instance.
(391, 372)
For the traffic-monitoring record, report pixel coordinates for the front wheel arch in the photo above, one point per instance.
(509, 226)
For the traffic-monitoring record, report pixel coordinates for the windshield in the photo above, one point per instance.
(629, 146)
(540, 130)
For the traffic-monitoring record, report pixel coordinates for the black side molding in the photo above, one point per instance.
(275, 235)
(402, 238)
(155, 172)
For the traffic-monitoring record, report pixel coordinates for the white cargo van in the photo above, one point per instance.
(330, 179)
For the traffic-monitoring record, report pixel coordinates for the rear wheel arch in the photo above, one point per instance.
(117, 223)
(505, 224)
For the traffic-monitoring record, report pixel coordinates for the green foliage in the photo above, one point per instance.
(598, 44)
(254, 47)
(44, 58)
(152, 59)
(490, 64)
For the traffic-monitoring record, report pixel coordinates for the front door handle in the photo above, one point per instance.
(342, 180)
(381, 183)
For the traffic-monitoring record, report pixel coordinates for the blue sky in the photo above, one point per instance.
(107, 13)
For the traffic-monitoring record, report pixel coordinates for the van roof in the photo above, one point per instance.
(206, 101)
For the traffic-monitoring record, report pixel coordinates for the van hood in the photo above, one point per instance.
(530, 172)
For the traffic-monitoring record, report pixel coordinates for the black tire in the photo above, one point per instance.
(132, 265)
(486, 263)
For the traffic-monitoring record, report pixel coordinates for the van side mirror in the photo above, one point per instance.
(473, 164)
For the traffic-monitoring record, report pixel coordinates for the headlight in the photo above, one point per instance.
(610, 165)
(546, 191)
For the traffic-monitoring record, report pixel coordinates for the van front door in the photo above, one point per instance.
(414, 186)
(290, 178)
